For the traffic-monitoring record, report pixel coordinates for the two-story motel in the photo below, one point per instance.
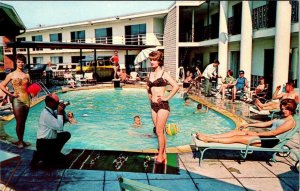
(259, 37)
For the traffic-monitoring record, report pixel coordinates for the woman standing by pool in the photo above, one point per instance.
(20, 98)
(156, 86)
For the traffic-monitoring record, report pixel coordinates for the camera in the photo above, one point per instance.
(66, 103)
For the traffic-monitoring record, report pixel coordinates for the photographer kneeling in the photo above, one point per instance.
(50, 135)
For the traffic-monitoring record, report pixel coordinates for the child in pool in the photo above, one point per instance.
(199, 109)
(137, 121)
(71, 118)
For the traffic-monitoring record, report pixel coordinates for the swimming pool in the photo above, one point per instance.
(105, 118)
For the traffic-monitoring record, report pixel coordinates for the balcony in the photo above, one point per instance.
(138, 39)
(78, 40)
(155, 39)
(259, 17)
(104, 40)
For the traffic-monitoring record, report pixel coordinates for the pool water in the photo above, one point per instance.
(105, 118)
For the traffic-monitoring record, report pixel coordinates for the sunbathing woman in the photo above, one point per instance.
(20, 98)
(279, 128)
(156, 86)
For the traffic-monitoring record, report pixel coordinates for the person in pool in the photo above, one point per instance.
(71, 118)
(159, 101)
(137, 121)
(187, 101)
(279, 129)
(199, 109)
(20, 97)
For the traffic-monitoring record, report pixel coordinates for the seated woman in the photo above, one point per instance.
(69, 77)
(279, 129)
(241, 83)
(259, 89)
(187, 81)
(227, 83)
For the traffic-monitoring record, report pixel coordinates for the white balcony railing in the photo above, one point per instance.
(140, 39)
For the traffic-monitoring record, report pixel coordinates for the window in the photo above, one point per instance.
(103, 36)
(38, 38)
(56, 59)
(135, 34)
(57, 37)
(78, 36)
(37, 60)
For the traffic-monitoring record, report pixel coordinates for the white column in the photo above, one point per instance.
(223, 39)
(246, 41)
(282, 43)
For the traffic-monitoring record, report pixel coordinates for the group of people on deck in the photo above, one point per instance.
(51, 136)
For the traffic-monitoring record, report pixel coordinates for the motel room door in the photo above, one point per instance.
(235, 63)
(269, 66)
(129, 63)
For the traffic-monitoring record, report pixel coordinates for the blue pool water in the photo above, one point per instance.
(105, 118)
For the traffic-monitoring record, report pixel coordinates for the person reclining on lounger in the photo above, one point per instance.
(273, 105)
(279, 129)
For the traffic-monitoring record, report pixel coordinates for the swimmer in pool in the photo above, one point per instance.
(137, 121)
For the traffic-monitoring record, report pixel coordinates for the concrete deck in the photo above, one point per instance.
(221, 170)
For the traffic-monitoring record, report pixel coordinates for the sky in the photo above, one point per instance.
(45, 13)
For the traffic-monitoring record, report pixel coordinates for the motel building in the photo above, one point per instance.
(259, 37)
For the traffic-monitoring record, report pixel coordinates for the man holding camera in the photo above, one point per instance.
(209, 74)
(50, 135)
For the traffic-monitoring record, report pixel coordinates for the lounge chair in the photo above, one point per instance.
(134, 77)
(80, 80)
(248, 149)
(90, 78)
(131, 185)
(6, 158)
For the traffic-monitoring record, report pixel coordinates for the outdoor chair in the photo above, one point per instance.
(8, 158)
(80, 80)
(90, 78)
(280, 148)
(262, 96)
(131, 185)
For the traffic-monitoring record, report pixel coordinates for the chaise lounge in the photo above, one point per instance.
(280, 148)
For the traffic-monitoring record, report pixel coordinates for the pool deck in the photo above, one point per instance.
(221, 170)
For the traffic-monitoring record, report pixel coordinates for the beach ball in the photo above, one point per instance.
(172, 129)
(34, 89)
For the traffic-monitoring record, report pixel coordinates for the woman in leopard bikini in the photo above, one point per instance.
(156, 86)
(20, 98)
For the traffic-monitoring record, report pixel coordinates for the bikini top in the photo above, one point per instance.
(159, 82)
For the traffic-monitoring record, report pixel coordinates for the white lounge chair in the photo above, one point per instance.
(90, 78)
(248, 149)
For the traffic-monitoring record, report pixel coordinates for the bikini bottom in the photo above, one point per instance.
(161, 105)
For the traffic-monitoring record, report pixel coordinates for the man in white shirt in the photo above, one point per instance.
(209, 74)
(50, 135)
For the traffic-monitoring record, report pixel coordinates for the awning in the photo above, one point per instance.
(10, 22)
